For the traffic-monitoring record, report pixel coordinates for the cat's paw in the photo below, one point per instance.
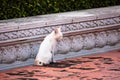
(53, 62)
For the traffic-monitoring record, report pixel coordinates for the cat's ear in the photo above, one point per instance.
(56, 30)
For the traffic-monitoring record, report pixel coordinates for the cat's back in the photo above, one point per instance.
(46, 44)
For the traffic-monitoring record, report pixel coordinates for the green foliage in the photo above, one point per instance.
(22, 8)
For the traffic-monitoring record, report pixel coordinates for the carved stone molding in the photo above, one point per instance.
(22, 52)
(103, 23)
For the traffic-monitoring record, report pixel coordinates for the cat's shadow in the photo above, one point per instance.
(64, 64)
(58, 65)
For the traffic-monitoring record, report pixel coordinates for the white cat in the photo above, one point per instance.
(46, 51)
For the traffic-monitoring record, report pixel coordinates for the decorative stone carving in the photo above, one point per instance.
(101, 39)
(65, 28)
(76, 43)
(88, 41)
(8, 54)
(63, 46)
(34, 47)
(112, 38)
(23, 52)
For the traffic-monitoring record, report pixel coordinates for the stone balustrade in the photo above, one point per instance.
(85, 32)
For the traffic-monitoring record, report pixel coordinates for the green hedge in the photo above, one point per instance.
(22, 8)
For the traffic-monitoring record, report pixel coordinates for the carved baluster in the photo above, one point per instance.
(76, 43)
(112, 38)
(88, 41)
(34, 47)
(63, 46)
(22, 52)
(8, 54)
(101, 39)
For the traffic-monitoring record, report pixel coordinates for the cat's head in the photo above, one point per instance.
(58, 33)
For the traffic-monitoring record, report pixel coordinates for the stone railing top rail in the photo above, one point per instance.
(58, 18)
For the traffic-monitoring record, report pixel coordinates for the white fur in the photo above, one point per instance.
(46, 51)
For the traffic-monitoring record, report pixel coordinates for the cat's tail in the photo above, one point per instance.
(37, 63)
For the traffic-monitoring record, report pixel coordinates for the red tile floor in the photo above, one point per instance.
(105, 66)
